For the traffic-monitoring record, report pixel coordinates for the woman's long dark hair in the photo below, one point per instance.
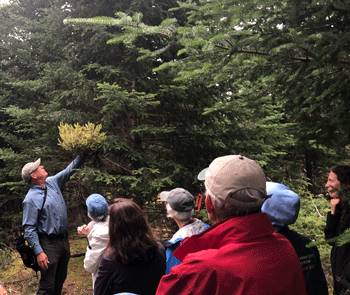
(130, 236)
(343, 175)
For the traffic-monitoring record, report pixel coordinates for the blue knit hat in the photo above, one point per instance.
(282, 207)
(97, 206)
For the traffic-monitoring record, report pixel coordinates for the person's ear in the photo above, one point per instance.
(208, 203)
(210, 208)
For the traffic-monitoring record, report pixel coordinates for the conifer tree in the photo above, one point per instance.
(289, 56)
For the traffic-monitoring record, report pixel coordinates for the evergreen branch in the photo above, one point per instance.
(17, 183)
(344, 238)
(340, 240)
(116, 164)
(126, 21)
(302, 59)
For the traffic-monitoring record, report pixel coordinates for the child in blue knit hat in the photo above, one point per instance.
(96, 232)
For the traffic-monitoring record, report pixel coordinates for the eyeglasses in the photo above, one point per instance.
(202, 188)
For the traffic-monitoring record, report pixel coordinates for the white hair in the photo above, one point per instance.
(228, 208)
(183, 216)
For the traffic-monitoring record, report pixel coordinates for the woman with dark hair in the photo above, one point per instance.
(338, 220)
(134, 261)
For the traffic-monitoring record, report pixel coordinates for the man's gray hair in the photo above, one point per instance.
(228, 208)
(183, 216)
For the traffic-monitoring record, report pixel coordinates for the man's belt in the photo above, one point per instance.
(53, 236)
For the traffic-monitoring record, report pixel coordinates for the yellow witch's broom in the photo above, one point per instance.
(81, 139)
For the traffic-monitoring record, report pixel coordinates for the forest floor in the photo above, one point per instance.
(19, 280)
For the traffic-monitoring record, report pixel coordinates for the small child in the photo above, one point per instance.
(97, 233)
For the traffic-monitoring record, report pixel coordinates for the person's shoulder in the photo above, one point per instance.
(91, 224)
(294, 234)
(204, 256)
(50, 180)
(172, 242)
(176, 237)
(296, 238)
(99, 230)
(160, 248)
(33, 194)
(109, 265)
(29, 195)
(108, 261)
(300, 242)
(201, 224)
(198, 264)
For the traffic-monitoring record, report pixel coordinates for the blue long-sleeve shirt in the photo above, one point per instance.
(53, 218)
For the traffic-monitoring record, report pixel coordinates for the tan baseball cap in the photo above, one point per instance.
(28, 169)
(228, 174)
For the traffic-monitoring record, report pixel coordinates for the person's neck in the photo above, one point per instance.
(38, 182)
(182, 223)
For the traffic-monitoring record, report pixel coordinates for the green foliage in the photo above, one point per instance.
(81, 139)
(312, 217)
(262, 55)
(343, 239)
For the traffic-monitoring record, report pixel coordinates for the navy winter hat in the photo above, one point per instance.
(97, 206)
(282, 207)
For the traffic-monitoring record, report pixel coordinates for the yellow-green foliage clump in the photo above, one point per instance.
(81, 139)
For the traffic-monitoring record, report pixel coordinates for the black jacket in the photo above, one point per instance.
(340, 256)
(316, 283)
(141, 278)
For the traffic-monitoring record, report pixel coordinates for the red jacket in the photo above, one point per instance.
(240, 255)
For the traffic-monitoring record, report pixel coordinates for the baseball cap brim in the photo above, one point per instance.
(201, 175)
(164, 196)
(36, 165)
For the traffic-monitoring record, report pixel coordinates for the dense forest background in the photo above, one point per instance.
(174, 84)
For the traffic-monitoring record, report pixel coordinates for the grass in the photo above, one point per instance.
(17, 279)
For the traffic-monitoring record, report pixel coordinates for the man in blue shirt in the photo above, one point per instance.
(46, 229)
